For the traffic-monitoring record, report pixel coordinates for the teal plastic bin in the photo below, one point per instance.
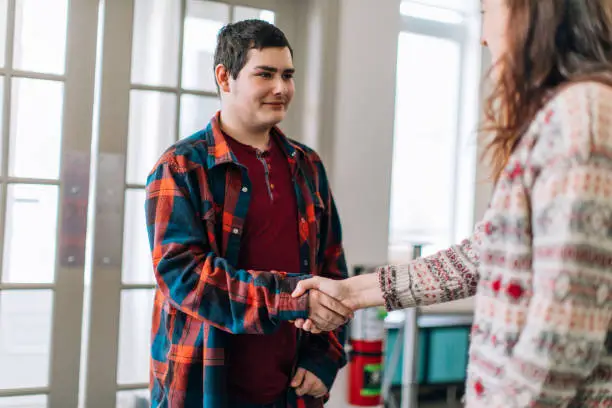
(442, 355)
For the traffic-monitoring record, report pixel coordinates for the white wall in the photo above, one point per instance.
(347, 105)
(364, 123)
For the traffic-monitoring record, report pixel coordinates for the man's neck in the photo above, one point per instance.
(257, 138)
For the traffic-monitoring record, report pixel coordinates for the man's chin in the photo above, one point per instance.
(273, 119)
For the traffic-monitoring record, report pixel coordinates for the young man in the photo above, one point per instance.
(237, 214)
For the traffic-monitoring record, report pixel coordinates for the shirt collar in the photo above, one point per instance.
(220, 152)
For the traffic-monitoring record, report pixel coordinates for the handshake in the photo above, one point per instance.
(332, 303)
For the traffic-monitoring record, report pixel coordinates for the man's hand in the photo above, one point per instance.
(326, 312)
(306, 383)
(332, 291)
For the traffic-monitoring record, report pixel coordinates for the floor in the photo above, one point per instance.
(431, 397)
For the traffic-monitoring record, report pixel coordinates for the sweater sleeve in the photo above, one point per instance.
(447, 275)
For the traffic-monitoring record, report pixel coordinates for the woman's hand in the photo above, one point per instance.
(354, 293)
(321, 288)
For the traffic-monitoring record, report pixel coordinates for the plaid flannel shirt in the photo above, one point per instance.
(197, 198)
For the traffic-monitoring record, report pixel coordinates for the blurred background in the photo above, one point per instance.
(91, 93)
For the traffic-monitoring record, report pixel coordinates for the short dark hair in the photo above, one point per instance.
(235, 40)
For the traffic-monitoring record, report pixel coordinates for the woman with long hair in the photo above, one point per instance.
(540, 261)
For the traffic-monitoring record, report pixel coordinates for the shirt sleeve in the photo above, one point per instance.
(197, 281)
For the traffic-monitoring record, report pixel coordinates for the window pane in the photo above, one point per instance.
(133, 399)
(30, 208)
(3, 15)
(467, 6)
(36, 128)
(155, 48)
(134, 336)
(152, 129)
(203, 21)
(196, 112)
(246, 13)
(434, 13)
(25, 338)
(35, 401)
(425, 123)
(137, 264)
(40, 35)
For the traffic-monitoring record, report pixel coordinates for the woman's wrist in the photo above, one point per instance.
(364, 291)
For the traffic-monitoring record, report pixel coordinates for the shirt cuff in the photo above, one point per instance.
(290, 308)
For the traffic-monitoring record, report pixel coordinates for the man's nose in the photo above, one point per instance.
(280, 87)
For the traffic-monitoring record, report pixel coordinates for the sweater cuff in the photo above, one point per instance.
(396, 286)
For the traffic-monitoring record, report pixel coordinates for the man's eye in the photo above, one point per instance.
(288, 76)
(265, 75)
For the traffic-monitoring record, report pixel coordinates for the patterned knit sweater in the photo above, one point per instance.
(539, 263)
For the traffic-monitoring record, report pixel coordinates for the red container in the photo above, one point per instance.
(365, 373)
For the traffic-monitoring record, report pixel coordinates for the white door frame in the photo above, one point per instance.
(73, 197)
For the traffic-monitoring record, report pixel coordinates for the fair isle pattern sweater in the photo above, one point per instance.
(539, 263)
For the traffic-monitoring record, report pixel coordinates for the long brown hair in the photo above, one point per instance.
(549, 43)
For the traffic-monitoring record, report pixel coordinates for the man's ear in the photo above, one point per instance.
(222, 76)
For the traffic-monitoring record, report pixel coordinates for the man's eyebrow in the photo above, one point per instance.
(272, 69)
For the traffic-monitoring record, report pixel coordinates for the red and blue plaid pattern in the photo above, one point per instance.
(197, 199)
